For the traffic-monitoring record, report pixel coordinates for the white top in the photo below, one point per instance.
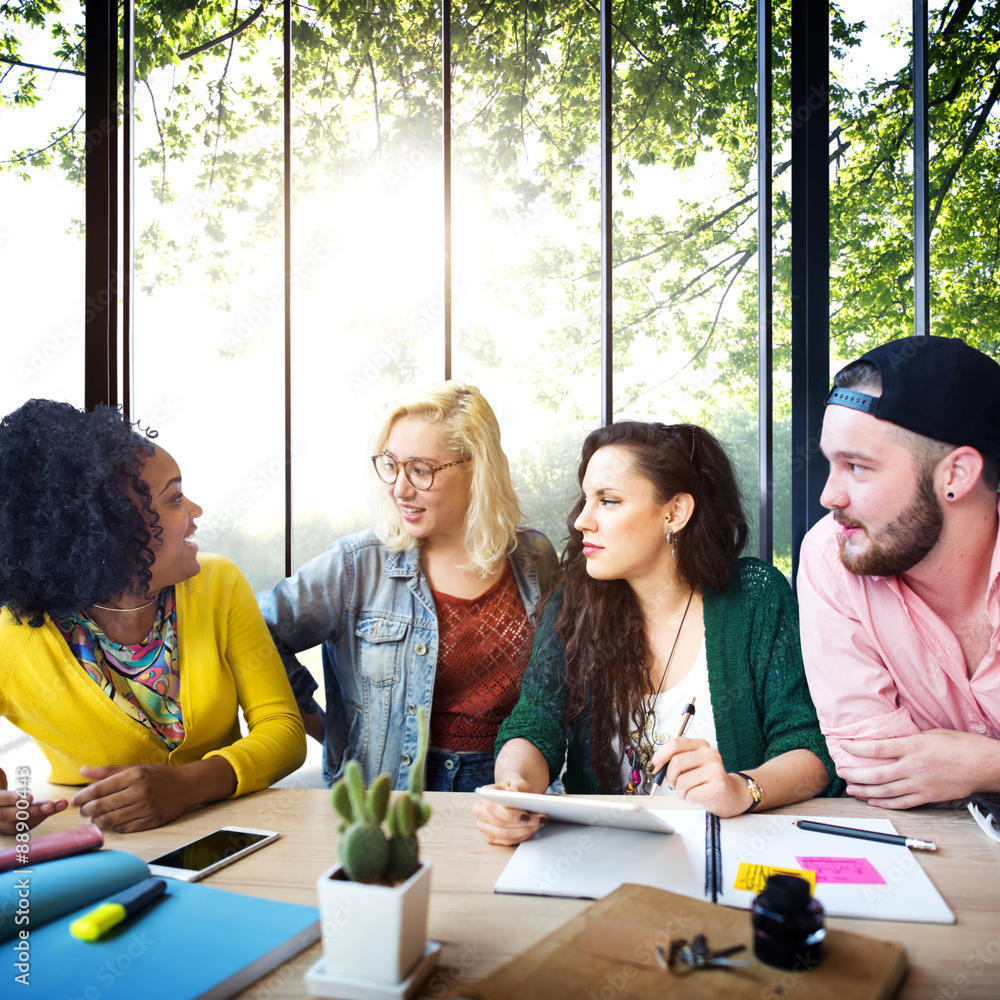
(664, 721)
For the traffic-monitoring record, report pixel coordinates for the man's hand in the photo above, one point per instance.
(934, 766)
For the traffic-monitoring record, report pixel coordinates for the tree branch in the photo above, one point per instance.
(962, 11)
(378, 119)
(55, 142)
(737, 269)
(970, 141)
(44, 69)
(239, 29)
(222, 103)
(163, 142)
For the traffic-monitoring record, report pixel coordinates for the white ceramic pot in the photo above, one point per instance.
(374, 932)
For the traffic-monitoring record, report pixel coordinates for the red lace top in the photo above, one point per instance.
(481, 659)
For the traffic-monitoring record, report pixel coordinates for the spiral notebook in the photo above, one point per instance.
(727, 861)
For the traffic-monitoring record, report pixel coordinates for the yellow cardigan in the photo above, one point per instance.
(227, 661)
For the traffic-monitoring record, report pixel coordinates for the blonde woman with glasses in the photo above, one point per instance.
(430, 608)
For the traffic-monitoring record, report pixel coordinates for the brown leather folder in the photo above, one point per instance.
(634, 920)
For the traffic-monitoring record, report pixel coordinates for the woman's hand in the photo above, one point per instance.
(144, 796)
(37, 811)
(503, 826)
(696, 773)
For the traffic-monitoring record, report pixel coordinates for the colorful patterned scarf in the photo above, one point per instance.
(142, 680)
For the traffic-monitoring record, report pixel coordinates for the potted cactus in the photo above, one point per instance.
(373, 904)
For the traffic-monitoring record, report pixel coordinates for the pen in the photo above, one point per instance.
(881, 838)
(95, 924)
(686, 716)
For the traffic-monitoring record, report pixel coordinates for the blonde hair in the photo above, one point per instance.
(469, 428)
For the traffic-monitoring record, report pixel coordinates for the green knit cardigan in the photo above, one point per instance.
(760, 700)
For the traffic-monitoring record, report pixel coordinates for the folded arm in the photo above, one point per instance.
(853, 690)
(938, 765)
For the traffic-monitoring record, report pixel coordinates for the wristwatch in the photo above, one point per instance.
(756, 792)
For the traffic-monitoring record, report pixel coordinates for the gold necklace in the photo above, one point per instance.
(142, 608)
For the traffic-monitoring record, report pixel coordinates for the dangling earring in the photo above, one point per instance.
(672, 542)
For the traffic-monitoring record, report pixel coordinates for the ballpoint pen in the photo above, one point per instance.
(881, 838)
(686, 717)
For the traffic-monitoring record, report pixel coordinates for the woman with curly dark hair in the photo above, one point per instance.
(123, 657)
(656, 611)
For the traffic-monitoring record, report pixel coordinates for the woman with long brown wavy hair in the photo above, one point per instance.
(655, 609)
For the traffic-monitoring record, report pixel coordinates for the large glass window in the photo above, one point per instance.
(367, 237)
(209, 272)
(526, 278)
(367, 233)
(41, 219)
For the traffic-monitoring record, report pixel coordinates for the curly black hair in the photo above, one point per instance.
(71, 535)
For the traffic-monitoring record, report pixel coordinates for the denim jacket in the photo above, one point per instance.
(374, 614)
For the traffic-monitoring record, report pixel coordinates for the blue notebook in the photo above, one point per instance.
(193, 942)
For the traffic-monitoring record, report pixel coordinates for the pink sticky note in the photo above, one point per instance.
(856, 871)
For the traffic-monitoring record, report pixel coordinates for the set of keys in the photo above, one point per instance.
(691, 956)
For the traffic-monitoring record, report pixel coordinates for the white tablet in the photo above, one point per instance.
(626, 815)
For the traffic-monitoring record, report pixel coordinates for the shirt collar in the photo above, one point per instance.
(405, 563)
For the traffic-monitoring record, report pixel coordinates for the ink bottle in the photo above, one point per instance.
(788, 929)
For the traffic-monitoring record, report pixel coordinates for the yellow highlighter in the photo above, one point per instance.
(94, 925)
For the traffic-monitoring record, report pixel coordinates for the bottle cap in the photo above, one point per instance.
(787, 893)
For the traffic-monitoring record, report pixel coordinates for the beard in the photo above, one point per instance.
(903, 542)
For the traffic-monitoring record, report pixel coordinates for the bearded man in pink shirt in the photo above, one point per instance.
(899, 600)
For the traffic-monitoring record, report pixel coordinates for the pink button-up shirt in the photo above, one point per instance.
(880, 663)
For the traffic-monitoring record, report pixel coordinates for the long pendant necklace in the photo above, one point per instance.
(644, 745)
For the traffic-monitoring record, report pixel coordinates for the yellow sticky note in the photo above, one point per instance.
(753, 878)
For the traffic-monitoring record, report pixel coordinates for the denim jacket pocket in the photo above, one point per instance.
(381, 649)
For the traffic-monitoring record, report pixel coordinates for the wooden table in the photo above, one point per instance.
(482, 930)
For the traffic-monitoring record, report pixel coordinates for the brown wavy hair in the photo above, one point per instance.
(612, 663)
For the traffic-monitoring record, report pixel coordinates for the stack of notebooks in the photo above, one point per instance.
(192, 942)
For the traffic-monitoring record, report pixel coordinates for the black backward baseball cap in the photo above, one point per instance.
(939, 387)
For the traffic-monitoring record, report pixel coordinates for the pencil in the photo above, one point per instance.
(686, 717)
(881, 838)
